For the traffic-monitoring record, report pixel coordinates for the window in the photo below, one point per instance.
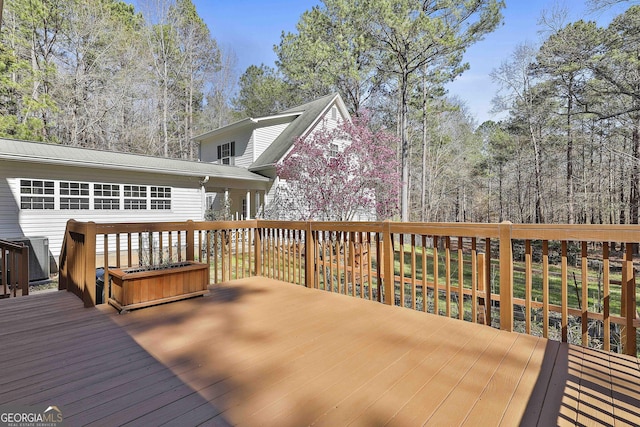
(160, 198)
(36, 194)
(333, 150)
(74, 189)
(135, 197)
(226, 152)
(334, 113)
(107, 196)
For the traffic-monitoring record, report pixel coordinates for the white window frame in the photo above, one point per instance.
(135, 197)
(160, 198)
(37, 194)
(106, 197)
(74, 195)
(226, 153)
(334, 150)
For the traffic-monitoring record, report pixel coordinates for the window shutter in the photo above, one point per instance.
(219, 151)
(233, 148)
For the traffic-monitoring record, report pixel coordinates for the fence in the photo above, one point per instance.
(569, 283)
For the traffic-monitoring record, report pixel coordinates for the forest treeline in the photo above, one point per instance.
(103, 74)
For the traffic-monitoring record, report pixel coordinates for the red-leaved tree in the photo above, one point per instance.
(323, 183)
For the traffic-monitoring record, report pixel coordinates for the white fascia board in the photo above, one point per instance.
(233, 126)
(278, 116)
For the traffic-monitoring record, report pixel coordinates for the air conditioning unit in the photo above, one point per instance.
(39, 267)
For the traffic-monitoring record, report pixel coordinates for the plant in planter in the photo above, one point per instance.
(157, 281)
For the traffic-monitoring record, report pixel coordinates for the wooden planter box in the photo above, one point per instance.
(133, 288)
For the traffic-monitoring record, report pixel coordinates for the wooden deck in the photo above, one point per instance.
(262, 352)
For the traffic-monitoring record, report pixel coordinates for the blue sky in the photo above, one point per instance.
(252, 27)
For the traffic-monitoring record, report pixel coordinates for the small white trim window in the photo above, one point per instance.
(37, 194)
(106, 196)
(74, 195)
(160, 198)
(226, 153)
(333, 150)
(135, 197)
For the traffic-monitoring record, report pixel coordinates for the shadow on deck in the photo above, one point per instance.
(262, 352)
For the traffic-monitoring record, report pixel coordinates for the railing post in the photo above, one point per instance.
(89, 286)
(388, 267)
(257, 249)
(309, 256)
(24, 270)
(628, 303)
(190, 249)
(506, 277)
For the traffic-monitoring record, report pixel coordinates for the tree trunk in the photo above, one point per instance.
(634, 198)
(404, 141)
(423, 192)
(570, 192)
(539, 215)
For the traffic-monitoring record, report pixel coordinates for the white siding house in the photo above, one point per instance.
(260, 143)
(42, 186)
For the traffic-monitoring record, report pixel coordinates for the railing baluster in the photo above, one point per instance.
(474, 281)
(460, 279)
(364, 253)
(487, 280)
(105, 278)
(545, 288)
(436, 278)
(606, 296)
(565, 296)
(483, 290)
(216, 253)
(129, 251)
(447, 269)
(413, 271)
(118, 250)
(585, 296)
(527, 283)
(628, 303)
(425, 300)
(379, 266)
(229, 250)
(237, 250)
(401, 254)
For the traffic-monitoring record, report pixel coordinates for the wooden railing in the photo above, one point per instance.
(511, 276)
(14, 269)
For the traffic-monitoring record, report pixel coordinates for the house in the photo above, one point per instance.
(258, 144)
(42, 186)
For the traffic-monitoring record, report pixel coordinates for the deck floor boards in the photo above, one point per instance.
(262, 352)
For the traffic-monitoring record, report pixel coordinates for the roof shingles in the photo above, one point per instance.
(73, 156)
